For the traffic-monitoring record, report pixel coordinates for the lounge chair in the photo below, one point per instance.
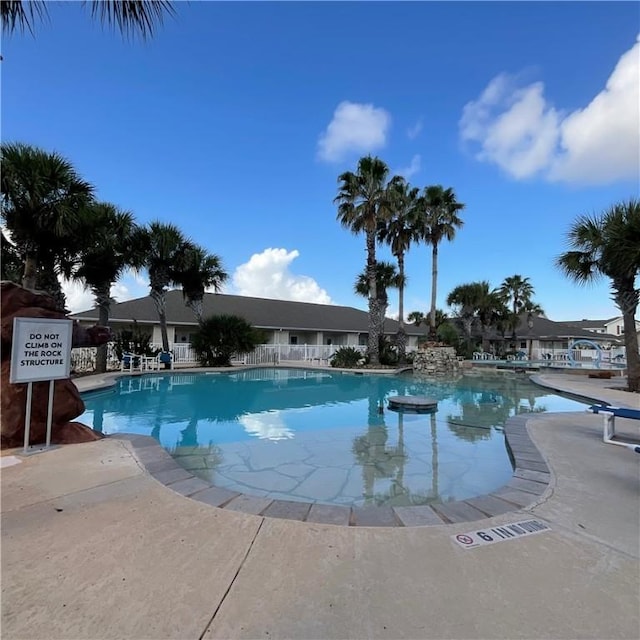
(610, 414)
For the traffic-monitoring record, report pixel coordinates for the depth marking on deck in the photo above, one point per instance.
(500, 533)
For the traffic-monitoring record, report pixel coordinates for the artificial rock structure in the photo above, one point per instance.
(67, 403)
(436, 361)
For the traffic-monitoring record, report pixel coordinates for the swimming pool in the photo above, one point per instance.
(324, 436)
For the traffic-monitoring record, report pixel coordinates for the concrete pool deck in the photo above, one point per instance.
(94, 547)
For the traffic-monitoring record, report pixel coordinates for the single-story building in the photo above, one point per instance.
(282, 321)
(541, 338)
(612, 326)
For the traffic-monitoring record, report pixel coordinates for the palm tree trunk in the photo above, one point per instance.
(401, 337)
(160, 303)
(434, 284)
(373, 347)
(30, 272)
(103, 300)
(47, 280)
(196, 307)
(626, 298)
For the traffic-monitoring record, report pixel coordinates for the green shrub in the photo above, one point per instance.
(346, 358)
(387, 353)
(449, 335)
(133, 341)
(219, 337)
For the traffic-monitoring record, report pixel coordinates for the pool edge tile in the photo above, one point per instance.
(529, 482)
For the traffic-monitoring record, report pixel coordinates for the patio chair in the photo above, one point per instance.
(165, 357)
(610, 414)
(130, 362)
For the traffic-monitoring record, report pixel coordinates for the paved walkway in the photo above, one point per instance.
(94, 547)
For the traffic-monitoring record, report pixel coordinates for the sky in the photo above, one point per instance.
(235, 120)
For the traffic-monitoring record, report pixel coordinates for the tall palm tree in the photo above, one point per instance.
(516, 292)
(438, 221)
(42, 196)
(609, 245)
(130, 16)
(106, 252)
(399, 232)
(198, 272)
(162, 246)
(362, 204)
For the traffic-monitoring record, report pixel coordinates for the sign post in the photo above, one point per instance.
(41, 351)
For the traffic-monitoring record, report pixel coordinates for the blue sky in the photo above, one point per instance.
(236, 119)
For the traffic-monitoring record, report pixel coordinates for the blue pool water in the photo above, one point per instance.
(320, 436)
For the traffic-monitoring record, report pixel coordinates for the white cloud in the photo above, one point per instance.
(266, 426)
(603, 139)
(267, 275)
(130, 286)
(414, 167)
(413, 131)
(355, 128)
(78, 298)
(518, 129)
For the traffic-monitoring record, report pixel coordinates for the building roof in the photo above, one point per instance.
(545, 329)
(263, 313)
(588, 324)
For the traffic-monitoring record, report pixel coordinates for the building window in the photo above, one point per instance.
(293, 340)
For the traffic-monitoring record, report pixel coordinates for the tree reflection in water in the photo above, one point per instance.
(198, 417)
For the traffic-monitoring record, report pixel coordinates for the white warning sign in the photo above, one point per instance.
(41, 349)
(500, 533)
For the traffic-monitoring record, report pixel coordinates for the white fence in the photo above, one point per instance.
(83, 359)
(278, 353)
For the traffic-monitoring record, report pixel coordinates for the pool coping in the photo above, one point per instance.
(527, 487)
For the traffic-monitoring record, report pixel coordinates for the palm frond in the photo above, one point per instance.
(132, 17)
(22, 15)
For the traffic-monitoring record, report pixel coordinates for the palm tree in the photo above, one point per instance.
(10, 263)
(438, 221)
(517, 292)
(130, 16)
(488, 306)
(399, 233)
(609, 245)
(362, 204)
(200, 271)
(107, 233)
(163, 247)
(386, 277)
(464, 299)
(417, 318)
(42, 196)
